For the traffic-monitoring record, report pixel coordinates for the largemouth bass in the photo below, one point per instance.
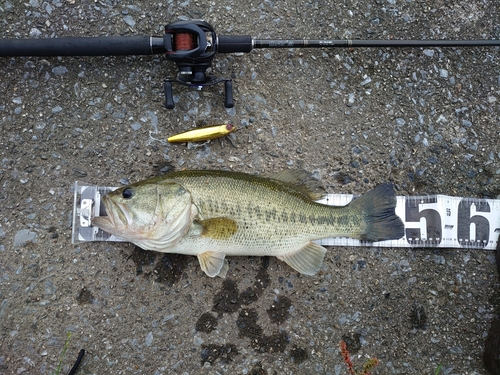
(212, 214)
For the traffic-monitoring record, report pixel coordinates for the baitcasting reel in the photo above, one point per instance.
(192, 46)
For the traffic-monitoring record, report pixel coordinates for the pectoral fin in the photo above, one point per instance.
(219, 228)
(213, 264)
(307, 260)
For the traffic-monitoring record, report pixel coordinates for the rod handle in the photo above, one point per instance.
(78, 46)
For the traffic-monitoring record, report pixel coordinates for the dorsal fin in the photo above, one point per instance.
(300, 180)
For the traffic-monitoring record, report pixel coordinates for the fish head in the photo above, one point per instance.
(146, 211)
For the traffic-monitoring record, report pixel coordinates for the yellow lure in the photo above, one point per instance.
(203, 134)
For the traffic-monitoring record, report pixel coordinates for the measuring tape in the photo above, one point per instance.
(430, 221)
(435, 221)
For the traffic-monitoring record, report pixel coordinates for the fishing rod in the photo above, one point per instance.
(192, 45)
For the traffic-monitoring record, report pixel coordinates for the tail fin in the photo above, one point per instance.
(378, 208)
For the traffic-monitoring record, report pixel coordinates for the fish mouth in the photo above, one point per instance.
(115, 218)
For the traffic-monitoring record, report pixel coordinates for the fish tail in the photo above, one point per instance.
(378, 209)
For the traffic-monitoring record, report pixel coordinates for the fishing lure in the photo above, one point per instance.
(203, 134)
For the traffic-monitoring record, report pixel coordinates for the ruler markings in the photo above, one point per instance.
(435, 221)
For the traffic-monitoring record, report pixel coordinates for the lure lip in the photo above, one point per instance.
(204, 133)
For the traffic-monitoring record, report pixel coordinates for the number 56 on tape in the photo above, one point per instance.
(436, 221)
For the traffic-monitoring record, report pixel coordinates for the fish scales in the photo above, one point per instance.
(212, 214)
(267, 206)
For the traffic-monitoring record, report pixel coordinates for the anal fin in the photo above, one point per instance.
(307, 260)
(213, 264)
(223, 271)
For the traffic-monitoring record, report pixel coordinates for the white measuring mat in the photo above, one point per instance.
(430, 221)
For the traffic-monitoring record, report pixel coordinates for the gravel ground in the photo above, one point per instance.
(425, 119)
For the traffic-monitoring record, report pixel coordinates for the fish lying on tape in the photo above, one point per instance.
(212, 214)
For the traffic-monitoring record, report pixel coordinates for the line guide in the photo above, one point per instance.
(434, 221)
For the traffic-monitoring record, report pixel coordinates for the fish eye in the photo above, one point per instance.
(127, 193)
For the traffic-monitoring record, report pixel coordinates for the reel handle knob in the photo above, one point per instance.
(228, 97)
(169, 96)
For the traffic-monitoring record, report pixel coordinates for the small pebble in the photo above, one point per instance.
(129, 21)
(197, 341)
(366, 81)
(24, 236)
(265, 115)
(149, 339)
(35, 33)
(429, 52)
(59, 70)
(466, 123)
(350, 100)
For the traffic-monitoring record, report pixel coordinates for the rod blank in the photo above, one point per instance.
(315, 43)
